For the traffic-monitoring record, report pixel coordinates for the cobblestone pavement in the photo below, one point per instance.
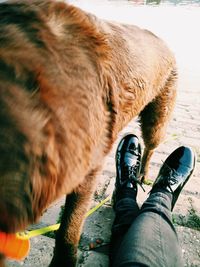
(177, 27)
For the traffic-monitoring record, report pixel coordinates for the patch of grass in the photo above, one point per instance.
(51, 234)
(191, 220)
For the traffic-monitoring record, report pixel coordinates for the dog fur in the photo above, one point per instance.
(69, 82)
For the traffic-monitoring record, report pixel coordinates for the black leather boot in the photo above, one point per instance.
(175, 172)
(128, 159)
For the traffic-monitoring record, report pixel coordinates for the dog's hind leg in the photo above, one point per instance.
(68, 235)
(154, 120)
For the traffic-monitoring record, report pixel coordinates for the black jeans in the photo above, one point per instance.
(146, 236)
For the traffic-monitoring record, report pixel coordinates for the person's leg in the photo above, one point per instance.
(128, 156)
(126, 211)
(151, 239)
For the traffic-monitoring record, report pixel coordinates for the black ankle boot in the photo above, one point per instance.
(175, 172)
(128, 159)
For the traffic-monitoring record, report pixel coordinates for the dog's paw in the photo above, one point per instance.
(63, 260)
(63, 263)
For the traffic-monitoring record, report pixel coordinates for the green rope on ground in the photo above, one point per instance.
(50, 228)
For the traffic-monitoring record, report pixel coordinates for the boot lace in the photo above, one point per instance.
(131, 172)
(172, 177)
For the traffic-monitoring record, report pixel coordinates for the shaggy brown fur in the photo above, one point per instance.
(69, 83)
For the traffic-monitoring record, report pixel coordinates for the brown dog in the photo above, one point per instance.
(69, 83)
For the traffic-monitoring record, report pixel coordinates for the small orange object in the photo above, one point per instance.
(13, 247)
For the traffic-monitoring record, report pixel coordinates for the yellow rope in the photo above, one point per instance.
(44, 230)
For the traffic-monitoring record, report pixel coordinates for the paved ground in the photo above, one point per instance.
(176, 26)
